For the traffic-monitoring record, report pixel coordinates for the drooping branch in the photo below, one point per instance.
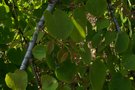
(39, 26)
(110, 9)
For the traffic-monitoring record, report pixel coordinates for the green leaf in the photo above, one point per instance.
(40, 36)
(66, 71)
(110, 36)
(102, 23)
(79, 28)
(118, 82)
(96, 39)
(17, 80)
(65, 87)
(129, 62)
(96, 7)
(101, 47)
(58, 24)
(122, 42)
(48, 82)
(80, 88)
(5, 16)
(90, 32)
(75, 36)
(3, 13)
(6, 35)
(50, 47)
(62, 55)
(85, 54)
(80, 16)
(51, 62)
(97, 75)
(15, 55)
(39, 52)
(133, 42)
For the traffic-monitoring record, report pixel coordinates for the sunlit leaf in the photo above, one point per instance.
(17, 80)
(79, 28)
(75, 36)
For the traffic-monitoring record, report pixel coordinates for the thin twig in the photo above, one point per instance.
(40, 24)
(110, 8)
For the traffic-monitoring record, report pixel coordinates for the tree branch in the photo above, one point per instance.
(110, 9)
(39, 26)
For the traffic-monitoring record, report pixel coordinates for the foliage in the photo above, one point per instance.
(79, 47)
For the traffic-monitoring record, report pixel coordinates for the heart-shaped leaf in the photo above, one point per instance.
(96, 7)
(102, 23)
(66, 71)
(39, 52)
(58, 24)
(48, 82)
(17, 80)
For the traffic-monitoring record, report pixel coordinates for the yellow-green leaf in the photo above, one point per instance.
(79, 28)
(17, 80)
